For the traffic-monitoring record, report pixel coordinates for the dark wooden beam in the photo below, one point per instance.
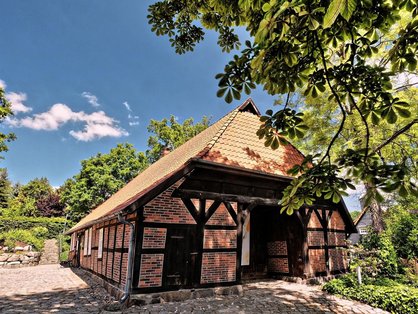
(232, 212)
(191, 208)
(211, 211)
(225, 197)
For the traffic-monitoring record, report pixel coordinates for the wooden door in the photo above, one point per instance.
(179, 261)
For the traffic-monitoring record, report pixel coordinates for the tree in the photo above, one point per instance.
(169, 133)
(5, 189)
(335, 47)
(354, 214)
(50, 205)
(5, 111)
(402, 225)
(401, 150)
(26, 197)
(101, 176)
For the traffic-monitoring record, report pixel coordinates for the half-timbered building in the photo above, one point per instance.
(207, 214)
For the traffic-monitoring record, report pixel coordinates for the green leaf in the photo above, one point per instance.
(404, 113)
(336, 197)
(336, 7)
(228, 97)
(349, 7)
(221, 92)
(266, 7)
(391, 116)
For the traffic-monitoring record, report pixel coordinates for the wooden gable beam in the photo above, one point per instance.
(232, 212)
(191, 208)
(221, 197)
(211, 210)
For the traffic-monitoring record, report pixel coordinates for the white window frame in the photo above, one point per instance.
(72, 242)
(100, 246)
(363, 230)
(86, 242)
(90, 240)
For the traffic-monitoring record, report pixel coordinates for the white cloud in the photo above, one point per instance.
(91, 99)
(93, 131)
(16, 100)
(132, 119)
(127, 106)
(97, 124)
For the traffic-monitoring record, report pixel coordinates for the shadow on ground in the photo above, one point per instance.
(69, 301)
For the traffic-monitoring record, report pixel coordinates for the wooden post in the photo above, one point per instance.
(239, 242)
(200, 233)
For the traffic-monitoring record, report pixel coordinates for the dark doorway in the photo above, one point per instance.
(269, 226)
(179, 262)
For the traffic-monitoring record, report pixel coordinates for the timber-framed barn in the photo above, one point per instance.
(206, 214)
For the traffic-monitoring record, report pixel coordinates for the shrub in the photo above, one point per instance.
(55, 226)
(20, 235)
(385, 294)
(377, 256)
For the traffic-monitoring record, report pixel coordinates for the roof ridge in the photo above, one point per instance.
(220, 132)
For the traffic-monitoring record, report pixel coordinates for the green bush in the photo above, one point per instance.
(55, 226)
(377, 256)
(386, 294)
(20, 235)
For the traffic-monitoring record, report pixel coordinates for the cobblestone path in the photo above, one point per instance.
(54, 289)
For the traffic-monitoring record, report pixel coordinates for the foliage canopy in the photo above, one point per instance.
(316, 47)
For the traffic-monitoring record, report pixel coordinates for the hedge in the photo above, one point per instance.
(55, 226)
(397, 298)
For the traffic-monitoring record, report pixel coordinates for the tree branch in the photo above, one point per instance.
(337, 98)
(395, 135)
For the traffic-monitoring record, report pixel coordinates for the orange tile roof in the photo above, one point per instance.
(232, 140)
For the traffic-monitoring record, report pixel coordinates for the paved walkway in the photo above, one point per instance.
(51, 288)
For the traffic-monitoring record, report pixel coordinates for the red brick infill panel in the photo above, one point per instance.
(154, 238)
(317, 260)
(167, 209)
(218, 267)
(151, 270)
(220, 239)
(277, 248)
(221, 217)
(316, 238)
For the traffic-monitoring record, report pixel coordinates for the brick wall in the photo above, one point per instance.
(218, 267)
(337, 259)
(154, 238)
(217, 239)
(316, 238)
(277, 248)
(221, 217)
(336, 221)
(314, 221)
(151, 270)
(278, 265)
(167, 209)
(336, 238)
(317, 260)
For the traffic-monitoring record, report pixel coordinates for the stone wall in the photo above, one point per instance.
(21, 259)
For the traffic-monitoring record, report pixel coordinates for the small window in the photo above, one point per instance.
(72, 242)
(363, 230)
(90, 238)
(86, 242)
(100, 249)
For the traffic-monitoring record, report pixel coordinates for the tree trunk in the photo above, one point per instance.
(375, 211)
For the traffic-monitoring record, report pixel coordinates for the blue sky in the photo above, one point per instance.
(86, 75)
